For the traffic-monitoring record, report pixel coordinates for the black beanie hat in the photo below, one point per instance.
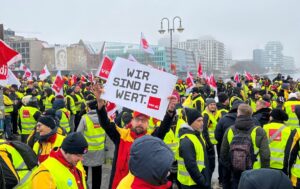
(192, 115)
(75, 143)
(279, 115)
(48, 119)
(222, 97)
(91, 102)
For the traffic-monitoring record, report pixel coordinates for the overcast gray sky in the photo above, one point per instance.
(241, 25)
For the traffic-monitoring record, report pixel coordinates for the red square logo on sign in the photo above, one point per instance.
(26, 114)
(293, 108)
(154, 103)
(278, 137)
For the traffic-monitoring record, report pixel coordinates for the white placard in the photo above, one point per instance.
(139, 87)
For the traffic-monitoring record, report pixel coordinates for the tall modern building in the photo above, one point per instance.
(183, 59)
(258, 57)
(208, 51)
(288, 63)
(273, 57)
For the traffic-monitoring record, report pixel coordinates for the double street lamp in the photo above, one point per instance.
(171, 30)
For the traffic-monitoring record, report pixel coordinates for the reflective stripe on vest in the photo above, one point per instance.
(28, 122)
(48, 103)
(289, 107)
(72, 104)
(278, 144)
(61, 174)
(94, 134)
(201, 102)
(183, 175)
(257, 163)
(212, 126)
(64, 120)
(78, 103)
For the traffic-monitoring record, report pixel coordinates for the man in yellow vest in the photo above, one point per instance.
(94, 134)
(63, 168)
(244, 126)
(193, 169)
(211, 116)
(28, 116)
(8, 110)
(280, 140)
(197, 100)
(290, 107)
(79, 101)
(70, 105)
(62, 113)
(48, 98)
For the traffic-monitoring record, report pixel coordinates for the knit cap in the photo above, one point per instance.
(192, 115)
(279, 115)
(75, 143)
(209, 101)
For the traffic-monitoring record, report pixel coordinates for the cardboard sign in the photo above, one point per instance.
(139, 88)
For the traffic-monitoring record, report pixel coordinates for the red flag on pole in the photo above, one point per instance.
(190, 80)
(145, 45)
(44, 73)
(200, 73)
(58, 82)
(8, 56)
(105, 68)
(248, 76)
(27, 74)
(212, 82)
(236, 77)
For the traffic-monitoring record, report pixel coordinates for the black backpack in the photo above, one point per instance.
(242, 155)
(7, 177)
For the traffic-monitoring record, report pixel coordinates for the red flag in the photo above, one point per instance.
(212, 82)
(145, 45)
(58, 82)
(110, 108)
(44, 73)
(190, 80)
(199, 70)
(236, 78)
(173, 68)
(83, 78)
(248, 76)
(91, 77)
(8, 56)
(27, 74)
(105, 68)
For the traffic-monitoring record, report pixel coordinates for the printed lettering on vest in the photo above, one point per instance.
(278, 137)
(26, 114)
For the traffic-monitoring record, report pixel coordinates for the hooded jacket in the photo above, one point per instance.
(264, 178)
(187, 152)
(149, 164)
(244, 124)
(262, 115)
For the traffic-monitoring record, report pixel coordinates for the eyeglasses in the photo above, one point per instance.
(39, 125)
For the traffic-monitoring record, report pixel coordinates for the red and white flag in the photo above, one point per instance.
(131, 58)
(105, 68)
(248, 76)
(236, 77)
(145, 45)
(22, 67)
(111, 109)
(190, 80)
(27, 74)
(12, 79)
(212, 82)
(8, 56)
(91, 77)
(44, 73)
(58, 83)
(199, 72)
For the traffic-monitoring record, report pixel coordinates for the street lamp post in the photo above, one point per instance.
(171, 30)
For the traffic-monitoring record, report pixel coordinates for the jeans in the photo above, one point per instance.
(7, 127)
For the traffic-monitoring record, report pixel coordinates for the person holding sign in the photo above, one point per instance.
(124, 137)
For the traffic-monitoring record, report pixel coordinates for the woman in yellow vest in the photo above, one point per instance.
(94, 134)
(280, 140)
(63, 168)
(193, 170)
(48, 137)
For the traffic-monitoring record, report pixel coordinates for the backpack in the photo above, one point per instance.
(241, 151)
(7, 177)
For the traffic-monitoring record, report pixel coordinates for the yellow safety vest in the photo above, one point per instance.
(64, 121)
(72, 104)
(18, 163)
(188, 102)
(48, 102)
(171, 140)
(183, 175)
(201, 101)
(278, 144)
(151, 126)
(78, 103)
(295, 170)
(253, 105)
(94, 135)
(20, 95)
(61, 174)
(230, 135)
(28, 122)
(232, 99)
(289, 107)
(8, 105)
(58, 141)
(213, 119)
